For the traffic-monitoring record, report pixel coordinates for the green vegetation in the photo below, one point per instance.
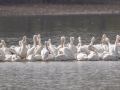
(60, 1)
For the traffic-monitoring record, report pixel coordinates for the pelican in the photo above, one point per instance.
(113, 52)
(8, 58)
(45, 53)
(93, 54)
(53, 49)
(60, 46)
(112, 47)
(79, 42)
(61, 57)
(34, 57)
(99, 47)
(7, 51)
(15, 58)
(39, 46)
(66, 51)
(31, 50)
(108, 57)
(81, 57)
(104, 43)
(84, 48)
(23, 49)
(72, 46)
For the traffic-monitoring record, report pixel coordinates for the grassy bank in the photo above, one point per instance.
(57, 9)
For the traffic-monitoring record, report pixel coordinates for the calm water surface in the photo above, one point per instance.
(12, 29)
(75, 75)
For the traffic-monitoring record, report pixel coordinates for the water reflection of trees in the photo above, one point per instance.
(68, 25)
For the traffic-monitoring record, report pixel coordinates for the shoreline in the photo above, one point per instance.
(54, 9)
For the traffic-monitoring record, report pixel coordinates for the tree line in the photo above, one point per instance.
(60, 1)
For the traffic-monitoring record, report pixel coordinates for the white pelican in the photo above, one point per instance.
(72, 46)
(8, 58)
(66, 51)
(60, 46)
(93, 54)
(79, 42)
(81, 57)
(45, 53)
(84, 48)
(31, 50)
(15, 58)
(112, 47)
(23, 49)
(60, 57)
(108, 57)
(99, 47)
(104, 43)
(7, 51)
(53, 50)
(34, 57)
(113, 52)
(39, 46)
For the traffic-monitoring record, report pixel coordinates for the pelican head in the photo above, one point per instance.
(62, 38)
(91, 48)
(24, 38)
(39, 40)
(23, 43)
(107, 40)
(35, 39)
(103, 41)
(104, 36)
(71, 40)
(92, 40)
(79, 39)
(3, 42)
(49, 42)
(117, 39)
(62, 41)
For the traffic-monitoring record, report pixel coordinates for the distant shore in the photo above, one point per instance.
(49, 9)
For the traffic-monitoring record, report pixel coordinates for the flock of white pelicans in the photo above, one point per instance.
(47, 51)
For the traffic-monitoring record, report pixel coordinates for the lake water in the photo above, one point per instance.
(71, 75)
